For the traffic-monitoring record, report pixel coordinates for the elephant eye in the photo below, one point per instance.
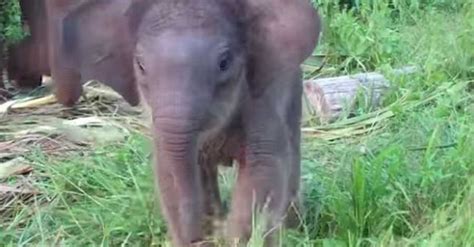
(225, 61)
(140, 66)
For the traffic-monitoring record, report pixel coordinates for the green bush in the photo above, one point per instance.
(10, 21)
(361, 35)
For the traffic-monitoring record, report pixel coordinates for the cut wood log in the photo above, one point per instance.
(328, 98)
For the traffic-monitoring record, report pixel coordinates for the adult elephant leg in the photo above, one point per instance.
(24, 64)
(25, 59)
(23, 76)
(20, 65)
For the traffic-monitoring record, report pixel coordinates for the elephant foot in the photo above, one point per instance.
(293, 218)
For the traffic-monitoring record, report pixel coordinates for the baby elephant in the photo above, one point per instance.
(222, 80)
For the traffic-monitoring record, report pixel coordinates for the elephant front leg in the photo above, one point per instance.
(180, 191)
(67, 86)
(269, 176)
(261, 192)
(262, 184)
(64, 72)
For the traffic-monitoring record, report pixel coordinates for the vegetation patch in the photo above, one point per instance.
(11, 29)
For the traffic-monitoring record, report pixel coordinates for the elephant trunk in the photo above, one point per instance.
(176, 124)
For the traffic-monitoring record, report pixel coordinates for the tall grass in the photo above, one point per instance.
(409, 184)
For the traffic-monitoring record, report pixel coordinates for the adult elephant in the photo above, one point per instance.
(28, 59)
(222, 80)
(99, 47)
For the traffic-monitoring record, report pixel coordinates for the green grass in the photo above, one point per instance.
(411, 183)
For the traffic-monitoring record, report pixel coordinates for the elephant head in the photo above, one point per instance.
(190, 65)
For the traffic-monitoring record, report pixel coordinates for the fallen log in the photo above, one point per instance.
(327, 99)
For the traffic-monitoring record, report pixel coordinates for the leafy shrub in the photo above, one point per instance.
(10, 21)
(361, 35)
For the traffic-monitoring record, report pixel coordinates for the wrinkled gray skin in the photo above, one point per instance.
(89, 40)
(223, 82)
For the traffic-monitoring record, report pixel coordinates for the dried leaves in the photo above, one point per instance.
(40, 124)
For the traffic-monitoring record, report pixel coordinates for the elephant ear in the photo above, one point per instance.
(280, 35)
(135, 14)
(97, 42)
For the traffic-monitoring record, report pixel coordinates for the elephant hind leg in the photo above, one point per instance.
(213, 208)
